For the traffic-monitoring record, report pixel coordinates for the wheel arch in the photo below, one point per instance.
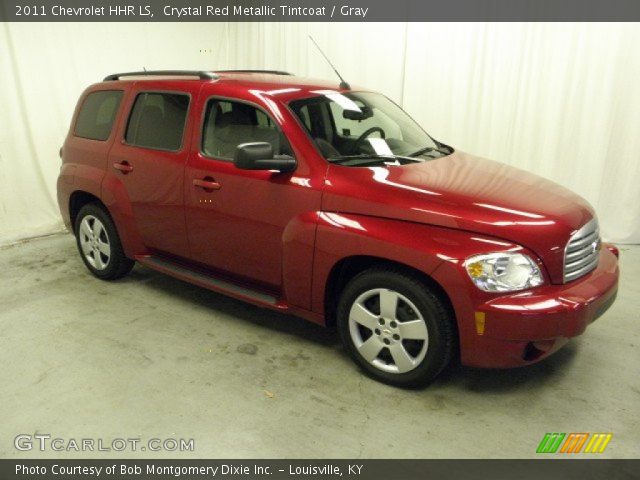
(79, 199)
(347, 268)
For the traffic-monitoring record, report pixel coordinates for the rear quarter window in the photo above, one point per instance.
(97, 114)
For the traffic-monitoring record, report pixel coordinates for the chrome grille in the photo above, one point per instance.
(582, 252)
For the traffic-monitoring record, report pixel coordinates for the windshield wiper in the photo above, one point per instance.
(373, 156)
(361, 155)
(422, 151)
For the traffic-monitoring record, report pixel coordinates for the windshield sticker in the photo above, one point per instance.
(380, 146)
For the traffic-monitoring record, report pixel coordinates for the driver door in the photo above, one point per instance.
(236, 219)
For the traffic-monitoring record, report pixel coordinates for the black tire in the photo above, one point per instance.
(117, 265)
(439, 321)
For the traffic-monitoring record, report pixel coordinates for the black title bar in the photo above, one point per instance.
(317, 10)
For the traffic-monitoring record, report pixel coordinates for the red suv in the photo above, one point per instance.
(334, 205)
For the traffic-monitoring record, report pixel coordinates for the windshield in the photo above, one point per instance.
(350, 127)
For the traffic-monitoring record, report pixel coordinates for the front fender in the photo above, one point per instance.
(422, 247)
(438, 252)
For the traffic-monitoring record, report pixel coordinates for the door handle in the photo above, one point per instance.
(124, 166)
(207, 183)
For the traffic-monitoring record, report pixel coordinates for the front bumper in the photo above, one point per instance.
(525, 327)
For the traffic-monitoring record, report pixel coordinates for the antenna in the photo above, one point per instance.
(344, 85)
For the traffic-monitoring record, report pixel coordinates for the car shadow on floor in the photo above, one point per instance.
(510, 379)
(455, 376)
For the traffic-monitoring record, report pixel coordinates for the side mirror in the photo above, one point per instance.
(259, 156)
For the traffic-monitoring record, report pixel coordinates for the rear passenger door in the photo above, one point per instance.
(149, 159)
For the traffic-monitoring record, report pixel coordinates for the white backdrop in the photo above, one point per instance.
(561, 100)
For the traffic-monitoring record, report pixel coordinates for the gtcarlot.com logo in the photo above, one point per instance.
(45, 442)
(574, 443)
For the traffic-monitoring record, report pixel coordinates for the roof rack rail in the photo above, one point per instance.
(272, 72)
(155, 73)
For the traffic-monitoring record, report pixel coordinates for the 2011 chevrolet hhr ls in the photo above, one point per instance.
(332, 204)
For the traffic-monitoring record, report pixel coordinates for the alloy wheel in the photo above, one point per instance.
(388, 330)
(94, 242)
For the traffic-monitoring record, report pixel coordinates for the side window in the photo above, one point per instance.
(303, 113)
(157, 120)
(263, 119)
(97, 114)
(316, 117)
(227, 124)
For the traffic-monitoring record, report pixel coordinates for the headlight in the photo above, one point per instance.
(503, 272)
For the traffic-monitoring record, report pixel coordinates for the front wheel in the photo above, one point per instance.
(395, 327)
(99, 243)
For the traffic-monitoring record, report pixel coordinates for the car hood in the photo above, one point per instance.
(465, 192)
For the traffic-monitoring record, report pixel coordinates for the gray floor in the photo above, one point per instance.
(150, 356)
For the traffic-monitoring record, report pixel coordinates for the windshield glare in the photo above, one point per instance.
(361, 124)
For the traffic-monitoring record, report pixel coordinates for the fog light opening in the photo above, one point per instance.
(534, 350)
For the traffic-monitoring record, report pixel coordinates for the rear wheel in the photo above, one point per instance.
(99, 244)
(395, 327)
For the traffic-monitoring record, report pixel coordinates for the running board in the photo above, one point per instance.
(221, 286)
